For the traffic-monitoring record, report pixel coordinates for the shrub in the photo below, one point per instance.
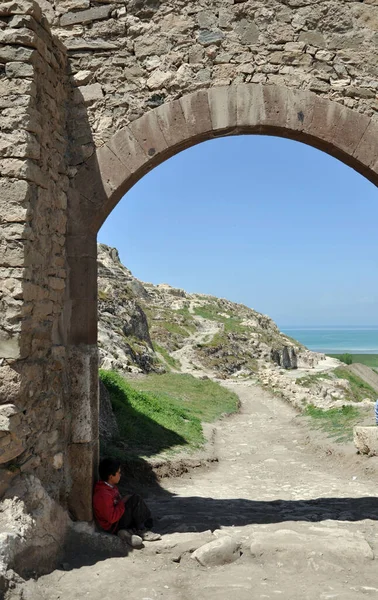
(346, 358)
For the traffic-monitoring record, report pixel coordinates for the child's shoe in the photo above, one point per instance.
(135, 541)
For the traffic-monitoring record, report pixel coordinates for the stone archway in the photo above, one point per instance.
(92, 96)
(148, 141)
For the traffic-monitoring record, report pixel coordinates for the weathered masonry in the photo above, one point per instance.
(92, 96)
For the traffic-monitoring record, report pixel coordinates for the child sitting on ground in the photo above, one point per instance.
(128, 517)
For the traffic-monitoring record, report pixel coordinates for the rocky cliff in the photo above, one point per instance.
(145, 327)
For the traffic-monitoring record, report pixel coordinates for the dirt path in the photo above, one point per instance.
(307, 523)
(186, 355)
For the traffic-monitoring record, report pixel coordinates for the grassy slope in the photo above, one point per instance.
(201, 398)
(165, 414)
(338, 423)
(371, 360)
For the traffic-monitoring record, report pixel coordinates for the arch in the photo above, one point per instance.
(233, 110)
(136, 149)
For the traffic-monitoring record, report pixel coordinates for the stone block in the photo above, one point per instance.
(172, 123)
(21, 7)
(366, 440)
(129, 152)
(247, 32)
(367, 150)
(88, 93)
(96, 181)
(19, 69)
(81, 464)
(147, 132)
(83, 322)
(83, 277)
(9, 344)
(21, 54)
(151, 45)
(300, 109)
(20, 37)
(197, 113)
(18, 87)
(223, 107)
(86, 16)
(22, 169)
(160, 79)
(250, 105)
(84, 403)
(313, 38)
(207, 38)
(82, 77)
(350, 129)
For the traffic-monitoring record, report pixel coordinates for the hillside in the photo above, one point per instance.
(147, 330)
(156, 328)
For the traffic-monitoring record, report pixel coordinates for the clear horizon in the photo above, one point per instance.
(267, 222)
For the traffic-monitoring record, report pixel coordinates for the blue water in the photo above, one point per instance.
(336, 340)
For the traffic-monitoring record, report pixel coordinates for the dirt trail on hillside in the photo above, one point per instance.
(186, 355)
(307, 522)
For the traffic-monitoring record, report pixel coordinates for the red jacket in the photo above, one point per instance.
(107, 505)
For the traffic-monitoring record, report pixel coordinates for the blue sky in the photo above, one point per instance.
(271, 223)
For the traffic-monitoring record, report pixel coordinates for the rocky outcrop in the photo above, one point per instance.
(145, 327)
(32, 530)
(285, 357)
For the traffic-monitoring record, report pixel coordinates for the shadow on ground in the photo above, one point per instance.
(177, 514)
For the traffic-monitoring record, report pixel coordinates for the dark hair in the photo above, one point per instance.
(107, 467)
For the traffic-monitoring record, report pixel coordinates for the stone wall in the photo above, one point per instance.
(33, 215)
(128, 56)
(86, 111)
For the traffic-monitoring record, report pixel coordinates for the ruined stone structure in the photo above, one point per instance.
(94, 94)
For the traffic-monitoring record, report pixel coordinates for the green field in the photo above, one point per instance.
(371, 360)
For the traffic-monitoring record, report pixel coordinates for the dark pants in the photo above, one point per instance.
(137, 515)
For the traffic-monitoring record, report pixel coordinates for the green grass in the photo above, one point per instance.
(172, 362)
(338, 423)
(371, 360)
(163, 412)
(211, 312)
(148, 422)
(360, 389)
(201, 398)
(171, 327)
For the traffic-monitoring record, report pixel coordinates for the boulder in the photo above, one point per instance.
(366, 440)
(221, 551)
(136, 323)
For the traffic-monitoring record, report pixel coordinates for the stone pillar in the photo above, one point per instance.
(83, 409)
